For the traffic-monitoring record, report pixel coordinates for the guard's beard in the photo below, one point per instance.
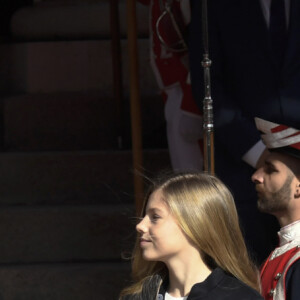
(276, 201)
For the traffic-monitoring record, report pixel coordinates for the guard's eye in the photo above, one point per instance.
(270, 169)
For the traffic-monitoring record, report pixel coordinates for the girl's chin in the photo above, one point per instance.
(149, 257)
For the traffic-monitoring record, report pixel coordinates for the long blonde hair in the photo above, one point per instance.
(205, 210)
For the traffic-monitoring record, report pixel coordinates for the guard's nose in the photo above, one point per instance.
(257, 176)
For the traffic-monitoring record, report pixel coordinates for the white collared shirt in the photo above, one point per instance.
(289, 238)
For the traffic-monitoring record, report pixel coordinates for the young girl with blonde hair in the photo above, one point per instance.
(190, 245)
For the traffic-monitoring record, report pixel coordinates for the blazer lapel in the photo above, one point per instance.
(293, 45)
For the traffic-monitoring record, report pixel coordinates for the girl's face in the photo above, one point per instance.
(161, 239)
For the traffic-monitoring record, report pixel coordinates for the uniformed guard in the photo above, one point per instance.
(169, 20)
(277, 182)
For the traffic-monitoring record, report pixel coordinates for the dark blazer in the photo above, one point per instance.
(217, 286)
(246, 82)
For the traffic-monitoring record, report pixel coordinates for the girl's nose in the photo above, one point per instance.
(141, 226)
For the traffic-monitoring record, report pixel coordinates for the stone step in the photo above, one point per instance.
(52, 20)
(49, 67)
(97, 177)
(76, 281)
(38, 234)
(77, 121)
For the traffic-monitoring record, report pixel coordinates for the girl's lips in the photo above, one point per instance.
(144, 242)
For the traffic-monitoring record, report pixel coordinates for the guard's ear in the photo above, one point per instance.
(297, 192)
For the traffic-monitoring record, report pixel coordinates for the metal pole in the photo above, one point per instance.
(208, 125)
(117, 67)
(135, 106)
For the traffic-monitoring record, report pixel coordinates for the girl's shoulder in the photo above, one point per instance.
(220, 285)
(238, 289)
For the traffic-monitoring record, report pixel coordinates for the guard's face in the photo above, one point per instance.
(161, 239)
(275, 184)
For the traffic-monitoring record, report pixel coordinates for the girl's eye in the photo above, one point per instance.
(155, 217)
